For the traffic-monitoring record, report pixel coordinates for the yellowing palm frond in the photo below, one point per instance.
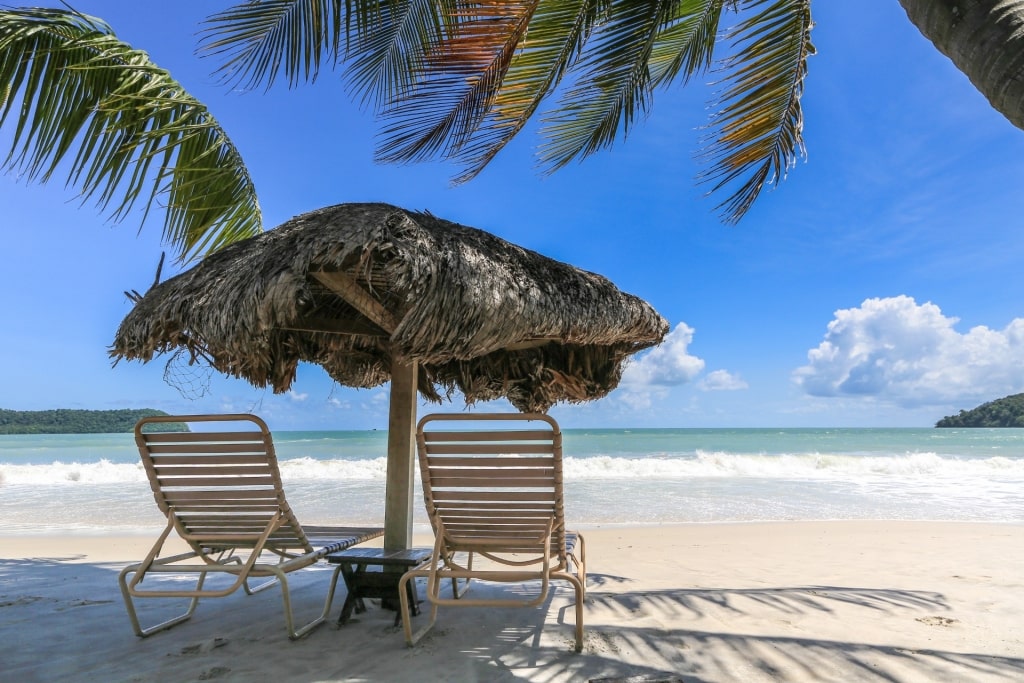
(455, 82)
(757, 132)
(554, 38)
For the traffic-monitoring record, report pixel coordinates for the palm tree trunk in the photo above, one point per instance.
(985, 40)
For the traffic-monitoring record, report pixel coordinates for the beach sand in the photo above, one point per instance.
(786, 601)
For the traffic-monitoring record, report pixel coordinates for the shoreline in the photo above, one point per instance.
(789, 601)
(39, 538)
(120, 546)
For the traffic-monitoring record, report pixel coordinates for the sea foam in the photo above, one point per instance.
(96, 483)
(599, 467)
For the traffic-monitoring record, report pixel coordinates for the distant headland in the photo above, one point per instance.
(66, 421)
(1003, 412)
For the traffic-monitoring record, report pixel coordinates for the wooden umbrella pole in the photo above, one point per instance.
(398, 495)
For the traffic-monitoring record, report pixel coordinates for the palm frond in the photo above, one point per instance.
(552, 42)
(628, 55)
(757, 130)
(387, 45)
(686, 43)
(383, 42)
(257, 38)
(70, 84)
(456, 81)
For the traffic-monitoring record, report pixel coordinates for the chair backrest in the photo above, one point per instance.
(223, 486)
(494, 487)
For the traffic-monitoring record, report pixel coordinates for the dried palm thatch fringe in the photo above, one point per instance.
(479, 314)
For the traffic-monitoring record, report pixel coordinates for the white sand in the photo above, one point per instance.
(792, 601)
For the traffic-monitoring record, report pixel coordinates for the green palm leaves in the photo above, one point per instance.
(121, 128)
(458, 79)
(455, 79)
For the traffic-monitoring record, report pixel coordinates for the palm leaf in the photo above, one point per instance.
(383, 41)
(757, 131)
(553, 41)
(69, 84)
(431, 67)
(684, 46)
(455, 81)
(638, 45)
(458, 79)
(257, 39)
(387, 44)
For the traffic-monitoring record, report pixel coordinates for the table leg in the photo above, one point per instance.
(414, 598)
(353, 599)
(384, 585)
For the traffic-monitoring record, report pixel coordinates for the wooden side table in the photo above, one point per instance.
(381, 584)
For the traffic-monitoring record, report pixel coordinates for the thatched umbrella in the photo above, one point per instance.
(373, 293)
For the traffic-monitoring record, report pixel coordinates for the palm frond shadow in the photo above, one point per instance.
(700, 655)
(722, 656)
(794, 600)
(630, 633)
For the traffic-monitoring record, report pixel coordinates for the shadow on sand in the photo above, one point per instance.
(64, 620)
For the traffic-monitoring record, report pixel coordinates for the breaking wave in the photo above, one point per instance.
(705, 464)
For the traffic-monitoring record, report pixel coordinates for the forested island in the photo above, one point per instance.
(1004, 412)
(66, 421)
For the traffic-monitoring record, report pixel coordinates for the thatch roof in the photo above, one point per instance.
(351, 287)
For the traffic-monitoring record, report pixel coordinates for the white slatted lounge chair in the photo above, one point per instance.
(497, 494)
(221, 492)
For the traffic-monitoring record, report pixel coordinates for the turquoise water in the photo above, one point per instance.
(94, 483)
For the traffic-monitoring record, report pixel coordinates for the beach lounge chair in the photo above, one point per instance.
(495, 492)
(221, 492)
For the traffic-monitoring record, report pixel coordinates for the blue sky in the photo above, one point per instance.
(877, 286)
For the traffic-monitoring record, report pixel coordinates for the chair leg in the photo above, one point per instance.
(579, 618)
(581, 564)
(403, 597)
(289, 619)
(456, 592)
(578, 586)
(129, 605)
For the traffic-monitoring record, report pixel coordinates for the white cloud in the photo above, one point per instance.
(297, 397)
(639, 399)
(377, 400)
(722, 380)
(911, 354)
(648, 378)
(668, 364)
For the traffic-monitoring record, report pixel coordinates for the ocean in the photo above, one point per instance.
(94, 483)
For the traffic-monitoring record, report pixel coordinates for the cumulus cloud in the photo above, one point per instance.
(297, 397)
(722, 380)
(669, 364)
(649, 376)
(910, 353)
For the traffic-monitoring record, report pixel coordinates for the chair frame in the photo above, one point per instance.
(221, 492)
(496, 493)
